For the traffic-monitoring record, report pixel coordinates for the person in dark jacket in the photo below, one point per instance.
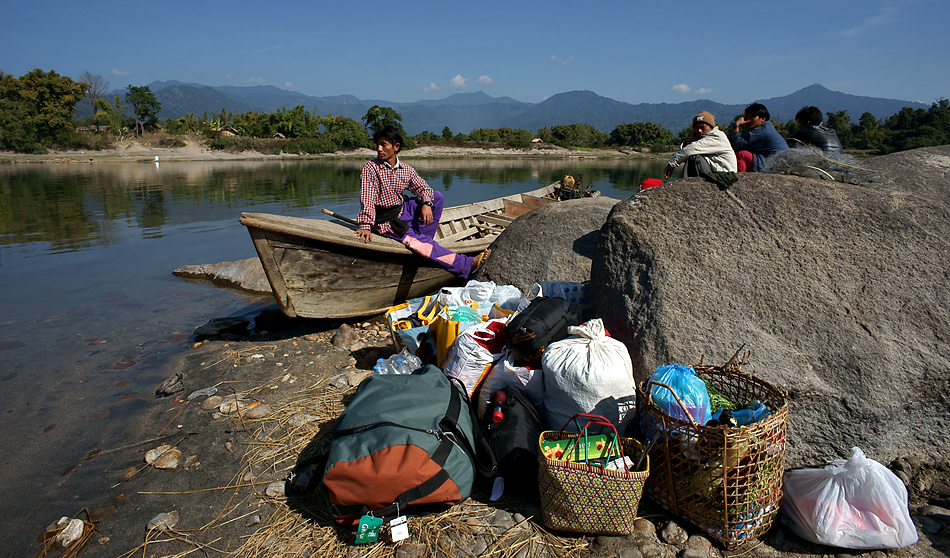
(760, 139)
(812, 133)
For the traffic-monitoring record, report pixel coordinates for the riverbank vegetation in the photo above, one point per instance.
(36, 114)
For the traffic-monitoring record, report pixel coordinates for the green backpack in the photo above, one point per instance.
(404, 440)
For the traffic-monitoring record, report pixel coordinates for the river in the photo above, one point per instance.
(92, 315)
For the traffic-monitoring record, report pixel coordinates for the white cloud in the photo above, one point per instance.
(485, 79)
(228, 77)
(683, 89)
(431, 87)
(288, 85)
(562, 61)
(869, 23)
(254, 80)
(458, 82)
(116, 72)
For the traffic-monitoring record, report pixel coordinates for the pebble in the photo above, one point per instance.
(208, 391)
(248, 477)
(102, 540)
(190, 461)
(163, 457)
(164, 521)
(694, 553)
(301, 419)
(311, 337)
(229, 446)
(275, 489)
(673, 534)
(356, 378)
(344, 336)
(410, 550)
(74, 529)
(211, 403)
(644, 526)
(933, 510)
(259, 410)
(252, 520)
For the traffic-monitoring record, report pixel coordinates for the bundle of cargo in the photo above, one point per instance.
(724, 478)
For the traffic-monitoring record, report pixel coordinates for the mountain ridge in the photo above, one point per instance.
(465, 111)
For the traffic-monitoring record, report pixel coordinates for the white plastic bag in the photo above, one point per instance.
(474, 352)
(529, 381)
(587, 372)
(857, 503)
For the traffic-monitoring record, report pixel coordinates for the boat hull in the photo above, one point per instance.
(320, 269)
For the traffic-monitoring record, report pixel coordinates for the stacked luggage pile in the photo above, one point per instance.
(515, 396)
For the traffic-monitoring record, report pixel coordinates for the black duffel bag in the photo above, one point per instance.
(542, 322)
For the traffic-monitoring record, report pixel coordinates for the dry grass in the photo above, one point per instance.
(303, 526)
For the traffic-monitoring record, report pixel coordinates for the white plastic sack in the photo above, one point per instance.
(857, 503)
(529, 380)
(587, 372)
(474, 352)
(474, 292)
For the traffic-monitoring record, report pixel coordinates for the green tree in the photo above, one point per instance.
(378, 117)
(144, 105)
(640, 133)
(574, 135)
(446, 134)
(94, 86)
(111, 116)
(840, 122)
(345, 133)
(868, 134)
(36, 109)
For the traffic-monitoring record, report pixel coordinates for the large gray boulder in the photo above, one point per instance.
(839, 291)
(552, 243)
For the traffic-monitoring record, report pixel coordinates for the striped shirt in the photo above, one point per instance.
(382, 185)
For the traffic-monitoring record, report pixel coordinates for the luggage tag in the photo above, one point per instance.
(399, 528)
(368, 529)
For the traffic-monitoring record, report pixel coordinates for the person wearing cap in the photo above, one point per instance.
(706, 150)
(759, 140)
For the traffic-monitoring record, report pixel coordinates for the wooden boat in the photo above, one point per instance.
(319, 268)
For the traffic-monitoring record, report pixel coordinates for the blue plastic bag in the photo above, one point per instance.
(688, 387)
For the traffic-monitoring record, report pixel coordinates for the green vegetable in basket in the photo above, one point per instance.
(717, 400)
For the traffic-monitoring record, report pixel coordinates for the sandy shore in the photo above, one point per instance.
(194, 150)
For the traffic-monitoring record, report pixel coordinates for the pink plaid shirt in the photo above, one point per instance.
(382, 185)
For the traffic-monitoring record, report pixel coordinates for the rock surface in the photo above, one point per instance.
(246, 275)
(552, 243)
(839, 291)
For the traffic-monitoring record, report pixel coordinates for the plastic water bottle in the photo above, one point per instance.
(412, 361)
(402, 367)
(382, 367)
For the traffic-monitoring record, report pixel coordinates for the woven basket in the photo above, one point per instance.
(725, 481)
(583, 498)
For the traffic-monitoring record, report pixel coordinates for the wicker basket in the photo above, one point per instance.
(725, 481)
(588, 499)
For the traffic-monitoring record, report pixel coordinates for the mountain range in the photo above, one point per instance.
(464, 112)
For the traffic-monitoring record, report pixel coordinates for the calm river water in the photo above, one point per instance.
(91, 314)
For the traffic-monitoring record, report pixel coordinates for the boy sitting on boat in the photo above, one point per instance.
(411, 221)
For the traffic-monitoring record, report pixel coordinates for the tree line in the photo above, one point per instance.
(36, 114)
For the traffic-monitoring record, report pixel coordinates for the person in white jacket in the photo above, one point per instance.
(706, 150)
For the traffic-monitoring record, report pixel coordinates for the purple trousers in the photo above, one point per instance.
(419, 238)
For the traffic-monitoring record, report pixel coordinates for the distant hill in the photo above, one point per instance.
(464, 112)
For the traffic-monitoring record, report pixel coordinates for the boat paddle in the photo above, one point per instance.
(346, 220)
(340, 217)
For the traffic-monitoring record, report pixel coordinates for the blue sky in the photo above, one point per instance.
(633, 51)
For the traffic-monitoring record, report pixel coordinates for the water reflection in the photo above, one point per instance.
(70, 207)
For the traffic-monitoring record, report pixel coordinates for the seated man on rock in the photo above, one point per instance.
(812, 133)
(760, 139)
(706, 150)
